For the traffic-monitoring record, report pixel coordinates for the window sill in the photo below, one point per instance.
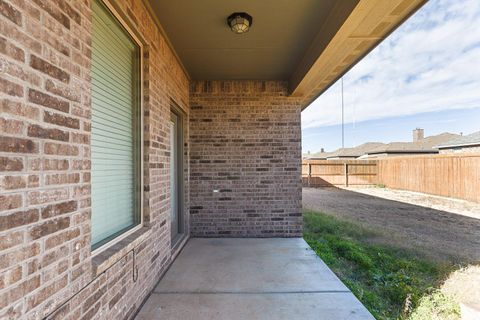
(111, 255)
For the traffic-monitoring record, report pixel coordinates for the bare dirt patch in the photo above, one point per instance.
(464, 285)
(462, 207)
(445, 228)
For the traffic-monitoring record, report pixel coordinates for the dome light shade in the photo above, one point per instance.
(239, 22)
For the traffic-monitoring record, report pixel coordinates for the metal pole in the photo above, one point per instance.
(309, 173)
(343, 125)
(346, 174)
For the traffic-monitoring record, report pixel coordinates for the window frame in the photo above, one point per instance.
(138, 135)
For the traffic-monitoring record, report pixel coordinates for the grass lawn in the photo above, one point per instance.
(392, 282)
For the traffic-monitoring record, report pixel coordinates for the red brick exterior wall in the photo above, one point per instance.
(246, 143)
(46, 266)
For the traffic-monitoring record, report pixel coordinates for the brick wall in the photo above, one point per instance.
(46, 266)
(245, 143)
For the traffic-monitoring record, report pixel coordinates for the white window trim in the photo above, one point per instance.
(140, 208)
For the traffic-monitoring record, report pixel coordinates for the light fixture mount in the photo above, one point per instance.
(239, 22)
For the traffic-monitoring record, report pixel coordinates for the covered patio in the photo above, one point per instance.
(130, 129)
(275, 278)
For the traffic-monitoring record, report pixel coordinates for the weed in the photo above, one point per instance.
(436, 305)
(384, 277)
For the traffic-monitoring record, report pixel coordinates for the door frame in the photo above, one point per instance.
(180, 175)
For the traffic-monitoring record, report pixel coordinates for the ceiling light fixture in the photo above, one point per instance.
(239, 22)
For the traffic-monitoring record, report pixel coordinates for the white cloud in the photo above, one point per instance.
(431, 63)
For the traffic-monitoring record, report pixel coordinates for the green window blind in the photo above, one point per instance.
(115, 134)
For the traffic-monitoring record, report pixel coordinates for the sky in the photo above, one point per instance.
(425, 74)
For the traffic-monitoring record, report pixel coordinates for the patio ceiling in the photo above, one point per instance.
(309, 43)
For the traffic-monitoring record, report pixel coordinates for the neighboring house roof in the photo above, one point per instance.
(434, 141)
(461, 141)
(318, 156)
(426, 145)
(355, 151)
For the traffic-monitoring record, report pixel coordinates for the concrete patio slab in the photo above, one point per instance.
(277, 278)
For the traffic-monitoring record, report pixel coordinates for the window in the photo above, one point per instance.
(116, 128)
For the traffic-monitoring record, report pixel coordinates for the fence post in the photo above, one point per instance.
(346, 174)
(309, 173)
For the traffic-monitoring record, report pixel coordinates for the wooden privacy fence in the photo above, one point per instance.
(455, 176)
(322, 173)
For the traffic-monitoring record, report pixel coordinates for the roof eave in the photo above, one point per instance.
(368, 24)
(404, 151)
(448, 146)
